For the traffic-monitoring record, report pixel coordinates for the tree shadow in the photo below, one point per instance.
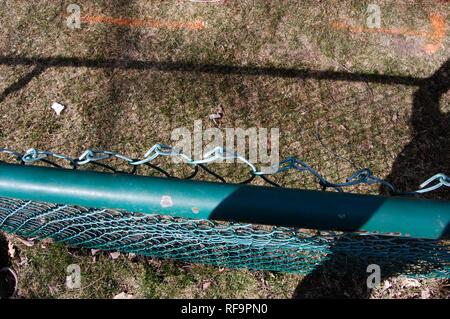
(344, 275)
(429, 150)
(23, 81)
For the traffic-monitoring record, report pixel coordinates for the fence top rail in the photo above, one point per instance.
(400, 216)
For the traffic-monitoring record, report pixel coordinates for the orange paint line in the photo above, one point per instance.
(435, 37)
(146, 23)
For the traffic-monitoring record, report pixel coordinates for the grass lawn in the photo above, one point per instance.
(342, 100)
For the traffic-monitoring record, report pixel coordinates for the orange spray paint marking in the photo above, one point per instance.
(145, 23)
(435, 37)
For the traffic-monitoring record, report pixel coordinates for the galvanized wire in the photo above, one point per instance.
(363, 176)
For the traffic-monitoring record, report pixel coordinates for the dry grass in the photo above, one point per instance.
(335, 125)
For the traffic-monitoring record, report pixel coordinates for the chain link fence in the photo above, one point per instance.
(223, 244)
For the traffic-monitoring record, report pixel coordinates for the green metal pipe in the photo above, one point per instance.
(240, 203)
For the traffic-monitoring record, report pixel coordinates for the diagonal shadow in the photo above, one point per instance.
(23, 81)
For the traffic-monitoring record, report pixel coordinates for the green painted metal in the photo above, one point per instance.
(241, 203)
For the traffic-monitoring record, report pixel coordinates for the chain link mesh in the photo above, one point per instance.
(222, 244)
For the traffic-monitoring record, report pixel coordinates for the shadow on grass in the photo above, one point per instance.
(41, 64)
(427, 153)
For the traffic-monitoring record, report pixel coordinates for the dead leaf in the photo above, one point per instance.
(217, 116)
(94, 251)
(114, 255)
(23, 261)
(395, 117)
(124, 295)
(386, 285)
(411, 283)
(28, 243)
(425, 294)
(11, 250)
(206, 285)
